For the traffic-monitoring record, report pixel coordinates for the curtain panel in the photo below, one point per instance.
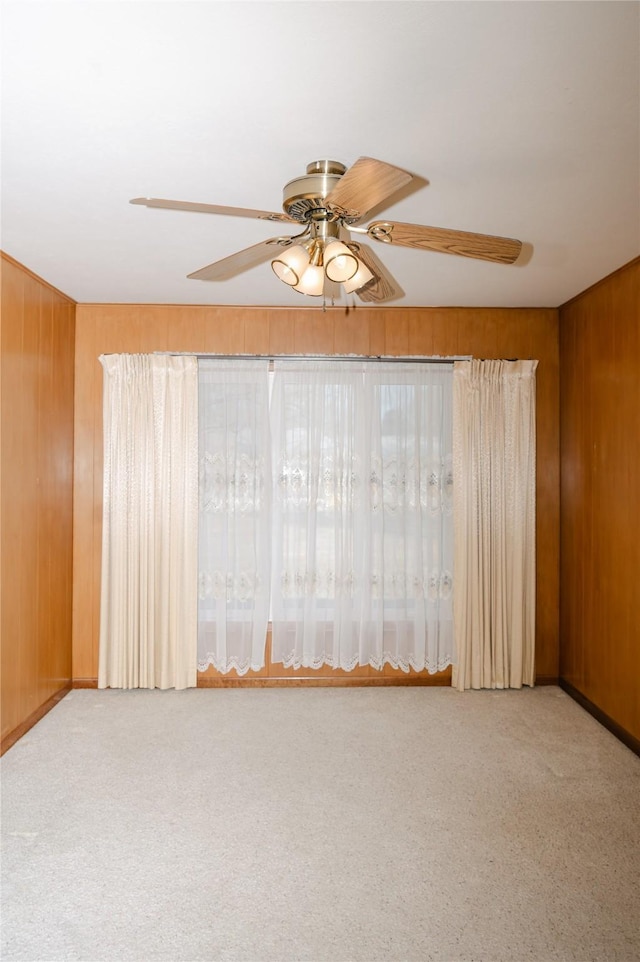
(234, 544)
(362, 527)
(408, 546)
(150, 522)
(494, 453)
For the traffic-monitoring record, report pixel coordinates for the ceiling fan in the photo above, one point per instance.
(329, 202)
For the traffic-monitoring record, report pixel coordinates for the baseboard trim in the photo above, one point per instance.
(323, 682)
(621, 733)
(441, 680)
(12, 737)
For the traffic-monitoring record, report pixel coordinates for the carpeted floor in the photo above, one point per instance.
(373, 825)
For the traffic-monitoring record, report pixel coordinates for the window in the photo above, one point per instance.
(339, 498)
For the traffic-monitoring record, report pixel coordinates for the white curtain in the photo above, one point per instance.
(318, 443)
(235, 523)
(408, 538)
(150, 522)
(494, 511)
(362, 515)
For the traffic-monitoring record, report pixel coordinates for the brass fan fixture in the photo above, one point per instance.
(329, 201)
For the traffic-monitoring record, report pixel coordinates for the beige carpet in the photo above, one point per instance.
(320, 824)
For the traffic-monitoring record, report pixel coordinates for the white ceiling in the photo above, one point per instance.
(522, 117)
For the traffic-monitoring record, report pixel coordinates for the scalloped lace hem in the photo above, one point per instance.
(232, 664)
(377, 664)
(242, 667)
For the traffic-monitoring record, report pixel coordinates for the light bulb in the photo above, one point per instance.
(311, 282)
(339, 263)
(291, 265)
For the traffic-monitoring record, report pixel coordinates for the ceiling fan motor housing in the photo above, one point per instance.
(305, 195)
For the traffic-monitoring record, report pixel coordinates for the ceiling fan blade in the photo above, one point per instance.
(504, 250)
(211, 209)
(365, 185)
(241, 261)
(384, 286)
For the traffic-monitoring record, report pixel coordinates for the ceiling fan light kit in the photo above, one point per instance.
(291, 264)
(329, 201)
(340, 264)
(312, 282)
(361, 277)
(305, 266)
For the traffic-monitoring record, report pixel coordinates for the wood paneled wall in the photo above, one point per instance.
(37, 341)
(600, 500)
(488, 333)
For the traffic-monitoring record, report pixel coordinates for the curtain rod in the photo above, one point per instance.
(382, 358)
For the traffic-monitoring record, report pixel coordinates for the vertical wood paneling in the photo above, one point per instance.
(64, 347)
(600, 495)
(256, 333)
(281, 326)
(88, 427)
(351, 336)
(375, 321)
(313, 335)
(547, 480)
(44, 506)
(38, 341)
(12, 492)
(420, 335)
(395, 331)
(28, 472)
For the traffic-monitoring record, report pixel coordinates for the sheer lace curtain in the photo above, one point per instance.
(150, 522)
(408, 538)
(235, 523)
(318, 526)
(494, 511)
(363, 544)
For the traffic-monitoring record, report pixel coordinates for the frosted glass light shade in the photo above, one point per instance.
(311, 282)
(339, 263)
(291, 265)
(361, 277)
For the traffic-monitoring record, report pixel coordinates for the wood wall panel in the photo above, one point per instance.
(600, 495)
(114, 328)
(38, 343)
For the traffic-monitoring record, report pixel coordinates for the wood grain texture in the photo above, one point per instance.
(241, 261)
(365, 185)
(383, 286)
(213, 209)
(38, 343)
(600, 496)
(625, 736)
(485, 247)
(23, 727)
(350, 680)
(527, 333)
